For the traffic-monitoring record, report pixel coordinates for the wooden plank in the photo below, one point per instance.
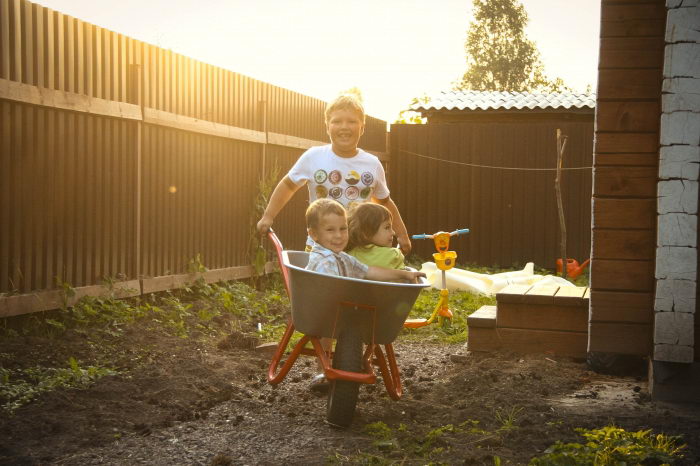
(484, 317)
(626, 142)
(483, 339)
(635, 339)
(292, 141)
(170, 282)
(617, 84)
(624, 244)
(571, 344)
(46, 97)
(540, 294)
(617, 306)
(624, 213)
(571, 296)
(650, 159)
(630, 182)
(512, 293)
(55, 299)
(634, 10)
(626, 27)
(543, 317)
(621, 275)
(631, 52)
(628, 116)
(172, 120)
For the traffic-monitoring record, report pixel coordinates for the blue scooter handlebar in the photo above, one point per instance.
(461, 231)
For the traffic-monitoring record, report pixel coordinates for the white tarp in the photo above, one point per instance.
(488, 284)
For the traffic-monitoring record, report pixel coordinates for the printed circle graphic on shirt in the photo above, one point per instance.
(335, 177)
(367, 178)
(336, 192)
(321, 191)
(353, 178)
(352, 192)
(320, 176)
(364, 194)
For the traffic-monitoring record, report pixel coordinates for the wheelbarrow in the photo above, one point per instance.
(363, 316)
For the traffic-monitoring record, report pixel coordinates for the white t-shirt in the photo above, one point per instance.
(347, 180)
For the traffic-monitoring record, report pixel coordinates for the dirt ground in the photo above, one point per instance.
(206, 402)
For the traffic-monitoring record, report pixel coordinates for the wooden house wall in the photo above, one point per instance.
(626, 155)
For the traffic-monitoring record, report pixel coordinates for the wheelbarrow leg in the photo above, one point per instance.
(389, 370)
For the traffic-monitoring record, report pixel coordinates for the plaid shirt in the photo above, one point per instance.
(326, 261)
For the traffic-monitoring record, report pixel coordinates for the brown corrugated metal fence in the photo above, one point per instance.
(121, 159)
(512, 214)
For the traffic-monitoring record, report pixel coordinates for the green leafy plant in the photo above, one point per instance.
(21, 386)
(613, 445)
(256, 251)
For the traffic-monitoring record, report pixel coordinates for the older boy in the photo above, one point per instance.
(338, 171)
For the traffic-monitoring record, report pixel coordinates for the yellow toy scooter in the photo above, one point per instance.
(444, 260)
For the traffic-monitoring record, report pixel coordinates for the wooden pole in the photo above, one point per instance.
(561, 145)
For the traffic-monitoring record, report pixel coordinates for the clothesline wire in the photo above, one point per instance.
(491, 166)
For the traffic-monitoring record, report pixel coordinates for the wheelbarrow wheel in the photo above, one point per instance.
(342, 394)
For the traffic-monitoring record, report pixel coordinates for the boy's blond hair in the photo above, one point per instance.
(319, 208)
(345, 101)
(364, 221)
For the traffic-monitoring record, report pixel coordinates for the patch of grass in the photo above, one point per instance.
(461, 303)
(613, 445)
(20, 386)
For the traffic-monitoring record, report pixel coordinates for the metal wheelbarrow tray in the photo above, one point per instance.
(352, 311)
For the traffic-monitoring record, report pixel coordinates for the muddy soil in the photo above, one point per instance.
(206, 401)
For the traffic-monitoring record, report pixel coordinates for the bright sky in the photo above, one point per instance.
(392, 50)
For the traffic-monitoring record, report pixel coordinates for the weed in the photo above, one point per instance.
(507, 419)
(20, 387)
(613, 445)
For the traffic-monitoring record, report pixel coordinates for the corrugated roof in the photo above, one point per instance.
(496, 100)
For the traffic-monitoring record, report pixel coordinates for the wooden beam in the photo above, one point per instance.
(630, 52)
(630, 182)
(634, 339)
(624, 244)
(621, 275)
(617, 84)
(628, 116)
(624, 213)
(45, 97)
(172, 120)
(542, 317)
(292, 141)
(627, 142)
(619, 306)
(650, 159)
(55, 299)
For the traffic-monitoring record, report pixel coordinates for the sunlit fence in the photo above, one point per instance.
(125, 162)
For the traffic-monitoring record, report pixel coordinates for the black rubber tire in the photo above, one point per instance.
(342, 394)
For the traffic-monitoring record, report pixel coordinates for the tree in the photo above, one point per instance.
(409, 116)
(499, 55)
